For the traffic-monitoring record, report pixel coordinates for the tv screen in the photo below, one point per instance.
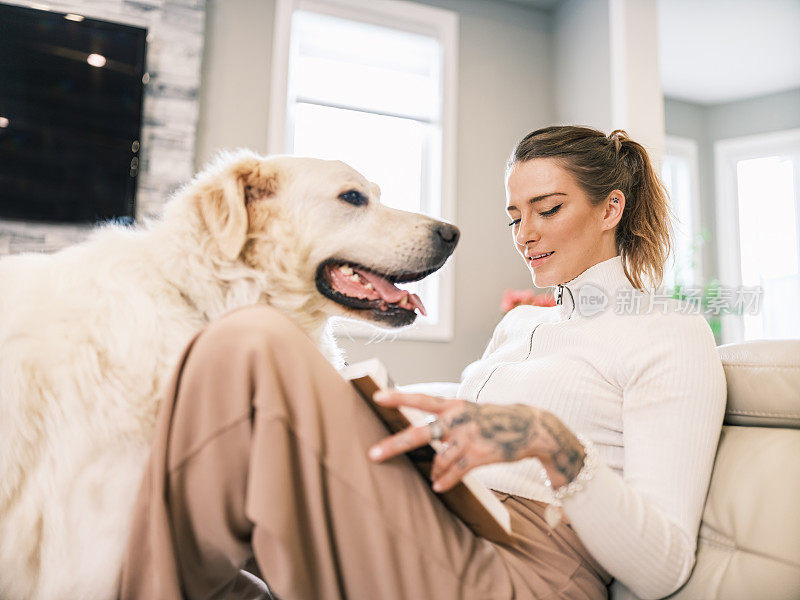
(70, 116)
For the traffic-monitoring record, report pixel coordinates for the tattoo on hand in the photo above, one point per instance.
(510, 428)
(569, 453)
(515, 430)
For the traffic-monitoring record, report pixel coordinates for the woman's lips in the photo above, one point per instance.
(535, 262)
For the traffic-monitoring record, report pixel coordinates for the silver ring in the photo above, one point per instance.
(436, 429)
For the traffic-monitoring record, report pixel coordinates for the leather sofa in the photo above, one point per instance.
(749, 539)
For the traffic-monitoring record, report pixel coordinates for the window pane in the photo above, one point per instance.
(372, 96)
(348, 63)
(388, 151)
(676, 175)
(769, 244)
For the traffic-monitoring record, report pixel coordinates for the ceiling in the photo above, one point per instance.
(715, 51)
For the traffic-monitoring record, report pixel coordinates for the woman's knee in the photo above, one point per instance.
(226, 358)
(256, 325)
(236, 341)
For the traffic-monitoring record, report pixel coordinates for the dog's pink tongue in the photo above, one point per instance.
(384, 287)
(389, 292)
(347, 286)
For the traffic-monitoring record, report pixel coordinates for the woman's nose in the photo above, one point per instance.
(525, 234)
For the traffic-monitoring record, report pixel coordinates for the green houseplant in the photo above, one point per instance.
(711, 298)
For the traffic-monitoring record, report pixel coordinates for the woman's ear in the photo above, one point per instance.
(615, 205)
(223, 206)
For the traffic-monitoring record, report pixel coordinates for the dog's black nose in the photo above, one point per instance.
(447, 233)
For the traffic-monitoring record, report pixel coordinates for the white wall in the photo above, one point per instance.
(234, 94)
(582, 60)
(764, 114)
(505, 90)
(607, 68)
(637, 100)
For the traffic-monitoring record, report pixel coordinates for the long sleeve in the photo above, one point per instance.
(643, 527)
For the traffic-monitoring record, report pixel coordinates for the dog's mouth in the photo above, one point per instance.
(358, 287)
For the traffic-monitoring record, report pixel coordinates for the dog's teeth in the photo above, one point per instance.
(369, 286)
(346, 270)
(354, 278)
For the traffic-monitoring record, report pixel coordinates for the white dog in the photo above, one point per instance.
(89, 335)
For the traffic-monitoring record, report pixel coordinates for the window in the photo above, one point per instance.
(679, 172)
(758, 216)
(373, 84)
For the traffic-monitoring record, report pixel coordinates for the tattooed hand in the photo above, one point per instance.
(480, 434)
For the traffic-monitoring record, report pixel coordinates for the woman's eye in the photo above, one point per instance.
(353, 197)
(547, 213)
(550, 212)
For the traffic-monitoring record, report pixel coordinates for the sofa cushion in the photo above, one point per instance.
(748, 544)
(763, 382)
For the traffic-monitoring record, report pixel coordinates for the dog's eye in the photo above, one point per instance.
(353, 197)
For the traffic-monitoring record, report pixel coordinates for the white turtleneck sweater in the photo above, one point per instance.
(647, 388)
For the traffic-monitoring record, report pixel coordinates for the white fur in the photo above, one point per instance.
(89, 337)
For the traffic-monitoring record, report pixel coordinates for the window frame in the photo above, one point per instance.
(688, 149)
(405, 16)
(727, 153)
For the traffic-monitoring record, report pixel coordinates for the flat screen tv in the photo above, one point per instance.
(70, 116)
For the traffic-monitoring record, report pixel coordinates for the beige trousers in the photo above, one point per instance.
(260, 455)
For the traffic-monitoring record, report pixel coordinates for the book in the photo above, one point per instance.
(470, 500)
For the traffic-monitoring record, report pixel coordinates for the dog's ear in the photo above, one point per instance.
(224, 207)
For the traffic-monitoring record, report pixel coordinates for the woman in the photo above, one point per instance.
(279, 471)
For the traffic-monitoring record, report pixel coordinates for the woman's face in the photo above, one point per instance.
(552, 214)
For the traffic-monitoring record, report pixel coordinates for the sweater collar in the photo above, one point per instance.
(593, 291)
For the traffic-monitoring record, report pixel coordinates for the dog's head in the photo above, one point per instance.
(317, 229)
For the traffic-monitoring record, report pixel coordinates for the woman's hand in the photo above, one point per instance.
(480, 434)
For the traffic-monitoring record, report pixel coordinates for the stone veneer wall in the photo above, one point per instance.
(174, 56)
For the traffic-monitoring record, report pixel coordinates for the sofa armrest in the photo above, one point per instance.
(443, 389)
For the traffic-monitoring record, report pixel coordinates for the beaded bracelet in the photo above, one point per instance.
(552, 514)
